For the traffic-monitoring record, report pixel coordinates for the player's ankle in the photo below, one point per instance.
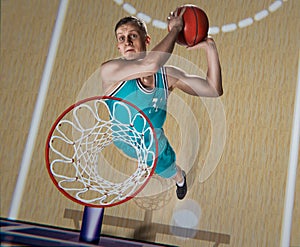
(180, 183)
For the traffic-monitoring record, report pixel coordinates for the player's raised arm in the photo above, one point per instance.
(135, 62)
(211, 86)
(120, 69)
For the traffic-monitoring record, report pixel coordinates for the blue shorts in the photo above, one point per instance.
(166, 161)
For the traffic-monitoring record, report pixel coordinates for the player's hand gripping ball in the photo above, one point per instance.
(195, 25)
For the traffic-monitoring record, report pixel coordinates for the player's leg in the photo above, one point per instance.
(166, 167)
(166, 163)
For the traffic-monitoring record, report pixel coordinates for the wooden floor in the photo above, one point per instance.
(19, 233)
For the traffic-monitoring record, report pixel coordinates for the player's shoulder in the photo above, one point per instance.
(108, 67)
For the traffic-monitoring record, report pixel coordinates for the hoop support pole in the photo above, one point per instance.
(37, 114)
(91, 225)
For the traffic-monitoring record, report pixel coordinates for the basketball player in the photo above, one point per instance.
(142, 79)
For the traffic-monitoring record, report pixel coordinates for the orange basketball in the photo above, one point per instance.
(195, 25)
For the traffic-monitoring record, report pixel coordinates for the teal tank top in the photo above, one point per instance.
(152, 102)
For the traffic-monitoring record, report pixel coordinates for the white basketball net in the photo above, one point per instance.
(75, 146)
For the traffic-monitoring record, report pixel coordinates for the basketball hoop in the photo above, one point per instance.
(76, 155)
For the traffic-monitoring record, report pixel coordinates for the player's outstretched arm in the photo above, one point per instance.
(211, 86)
(120, 69)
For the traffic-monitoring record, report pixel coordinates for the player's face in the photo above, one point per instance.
(131, 42)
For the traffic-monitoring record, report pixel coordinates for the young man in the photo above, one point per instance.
(142, 79)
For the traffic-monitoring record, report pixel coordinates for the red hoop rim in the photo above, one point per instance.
(61, 116)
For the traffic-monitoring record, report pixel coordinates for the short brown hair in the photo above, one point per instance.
(132, 19)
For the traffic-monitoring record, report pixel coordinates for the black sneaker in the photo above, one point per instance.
(181, 190)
